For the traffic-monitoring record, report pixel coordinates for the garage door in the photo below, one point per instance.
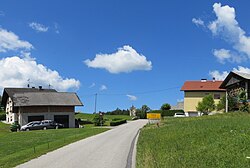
(35, 118)
(62, 119)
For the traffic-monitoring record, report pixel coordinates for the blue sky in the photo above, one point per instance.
(128, 52)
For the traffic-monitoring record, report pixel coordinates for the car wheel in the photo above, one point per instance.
(44, 128)
(27, 129)
(57, 127)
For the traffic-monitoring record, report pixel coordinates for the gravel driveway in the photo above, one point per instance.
(110, 149)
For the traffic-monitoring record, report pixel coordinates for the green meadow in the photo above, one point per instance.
(19, 147)
(208, 141)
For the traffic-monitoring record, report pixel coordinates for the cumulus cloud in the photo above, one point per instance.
(38, 27)
(218, 75)
(222, 75)
(198, 22)
(103, 87)
(10, 41)
(15, 72)
(132, 97)
(227, 27)
(126, 59)
(224, 55)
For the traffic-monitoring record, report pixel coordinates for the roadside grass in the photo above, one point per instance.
(19, 147)
(207, 141)
(108, 118)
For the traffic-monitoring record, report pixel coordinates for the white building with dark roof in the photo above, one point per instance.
(34, 104)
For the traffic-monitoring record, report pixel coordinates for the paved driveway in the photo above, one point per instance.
(106, 150)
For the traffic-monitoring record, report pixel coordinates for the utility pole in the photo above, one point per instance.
(95, 101)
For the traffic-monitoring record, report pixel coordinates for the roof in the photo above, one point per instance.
(243, 75)
(9, 92)
(202, 86)
(46, 99)
(40, 97)
(234, 77)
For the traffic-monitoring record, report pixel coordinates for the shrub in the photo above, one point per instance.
(84, 121)
(98, 120)
(15, 126)
(118, 122)
(2, 116)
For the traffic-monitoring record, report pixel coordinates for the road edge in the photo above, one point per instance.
(131, 159)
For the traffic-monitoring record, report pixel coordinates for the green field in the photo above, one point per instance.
(207, 141)
(108, 118)
(19, 147)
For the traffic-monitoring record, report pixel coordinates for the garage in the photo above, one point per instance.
(62, 119)
(35, 118)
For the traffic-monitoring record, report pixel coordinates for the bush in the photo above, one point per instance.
(2, 116)
(98, 120)
(15, 126)
(118, 122)
(167, 112)
(84, 121)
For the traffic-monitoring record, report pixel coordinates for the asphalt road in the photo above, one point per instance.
(111, 149)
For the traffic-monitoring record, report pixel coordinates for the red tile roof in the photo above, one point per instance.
(202, 86)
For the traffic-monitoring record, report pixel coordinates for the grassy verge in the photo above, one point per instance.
(19, 147)
(208, 141)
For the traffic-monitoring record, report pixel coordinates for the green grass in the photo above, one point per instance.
(207, 141)
(107, 117)
(19, 147)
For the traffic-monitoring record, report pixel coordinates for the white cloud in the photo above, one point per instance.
(103, 87)
(198, 22)
(218, 75)
(126, 59)
(132, 97)
(15, 72)
(10, 41)
(92, 85)
(38, 27)
(227, 27)
(222, 75)
(222, 55)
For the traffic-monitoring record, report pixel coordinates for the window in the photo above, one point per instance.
(216, 96)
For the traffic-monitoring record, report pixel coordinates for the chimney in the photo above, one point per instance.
(40, 87)
(213, 79)
(203, 80)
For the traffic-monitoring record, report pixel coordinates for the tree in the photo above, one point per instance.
(232, 103)
(244, 107)
(145, 108)
(165, 106)
(206, 105)
(142, 112)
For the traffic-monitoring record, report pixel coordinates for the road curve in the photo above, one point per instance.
(106, 150)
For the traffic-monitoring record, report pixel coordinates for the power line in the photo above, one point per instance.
(136, 93)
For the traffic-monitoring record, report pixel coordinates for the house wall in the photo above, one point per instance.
(191, 99)
(23, 117)
(11, 117)
(48, 112)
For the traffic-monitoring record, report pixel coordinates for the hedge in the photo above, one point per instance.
(2, 116)
(118, 122)
(167, 112)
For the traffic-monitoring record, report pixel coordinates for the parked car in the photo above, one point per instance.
(179, 115)
(44, 124)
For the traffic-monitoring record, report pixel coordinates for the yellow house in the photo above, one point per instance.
(194, 91)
